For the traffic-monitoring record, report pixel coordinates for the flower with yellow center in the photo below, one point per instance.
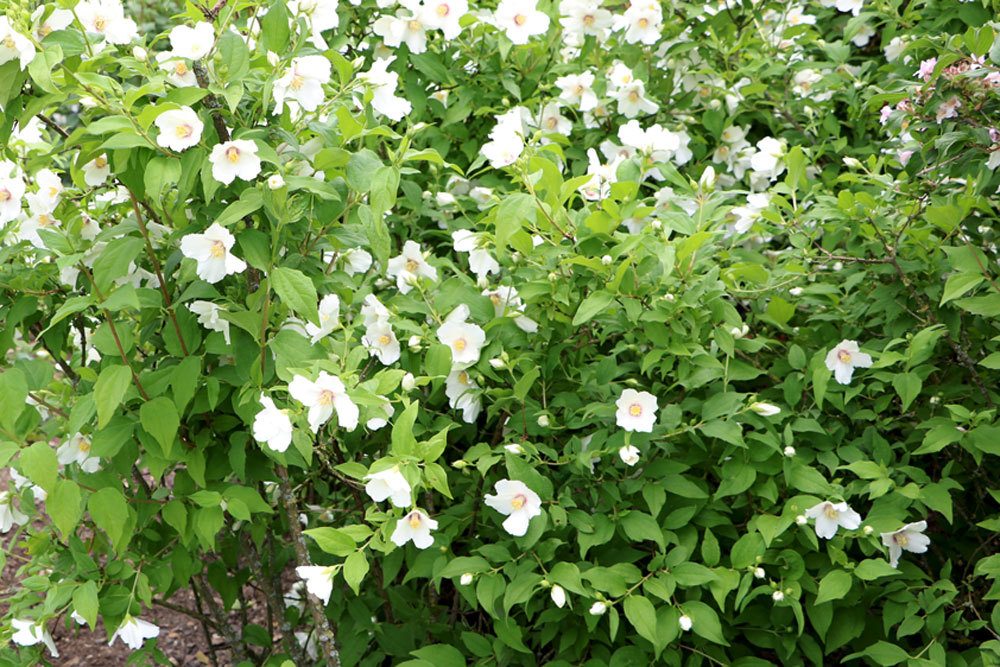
(517, 502)
(636, 411)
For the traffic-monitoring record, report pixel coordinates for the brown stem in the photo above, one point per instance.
(157, 269)
(324, 632)
(212, 102)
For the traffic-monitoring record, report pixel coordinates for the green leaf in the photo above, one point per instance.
(85, 602)
(642, 615)
(355, 568)
(958, 284)
(40, 465)
(886, 654)
(385, 183)
(705, 621)
(297, 291)
(109, 390)
(108, 509)
(592, 306)
(332, 541)
(175, 514)
(874, 568)
(403, 441)
(833, 586)
(248, 203)
(65, 506)
(511, 215)
(13, 394)
(160, 419)
(908, 386)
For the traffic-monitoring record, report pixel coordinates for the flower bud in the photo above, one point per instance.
(273, 58)
(466, 579)
(801, 520)
(139, 53)
(764, 409)
(868, 530)
(409, 382)
(759, 573)
(497, 363)
(543, 421)
(789, 451)
(514, 448)
(414, 343)
(598, 608)
(777, 596)
(606, 260)
(275, 182)
(558, 596)
(685, 622)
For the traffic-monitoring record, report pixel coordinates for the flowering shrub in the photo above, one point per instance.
(517, 333)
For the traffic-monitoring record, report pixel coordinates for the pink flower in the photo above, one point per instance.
(927, 69)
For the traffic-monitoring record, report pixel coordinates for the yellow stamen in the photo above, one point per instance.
(183, 131)
(414, 520)
(218, 249)
(635, 409)
(233, 154)
(830, 512)
(412, 265)
(443, 10)
(517, 502)
(844, 356)
(459, 344)
(384, 340)
(520, 19)
(325, 397)
(101, 162)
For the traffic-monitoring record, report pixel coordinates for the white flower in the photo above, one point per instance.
(462, 395)
(404, 28)
(11, 196)
(481, 261)
(777, 596)
(107, 18)
(275, 182)
(759, 573)
(20, 481)
(464, 339)
(329, 318)
(410, 266)
(641, 22)
(9, 515)
(580, 18)
(235, 159)
(319, 580)
(14, 45)
(764, 409)
(96, 171)
(830, 516)
(578, 90)
(134, 632)
(844, 358)
(598, 608)
(178, 71)
(629, 455)
(383, 84)
(180, 129)
(381, 342)
(767, 161)
(636, 411)
(356, 260)
(506, 303)
(373, 311)
(77, 450)
(320, 15)
(30, 633)
(444, 15)
(415, 526)
(302, 84)
(504, 148)
(558, 595)
(908, 538)
(632, 99)
(801, 520)
(751, 212)
(192, 43)
(852, 6)
(519, 503)
(212, 251)
(80, 620)
(520, 20)
(389, 484)
(272, 426)
(322, 397)
(788, 451)
(465, 579)
(685, 622)
(208, 317)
